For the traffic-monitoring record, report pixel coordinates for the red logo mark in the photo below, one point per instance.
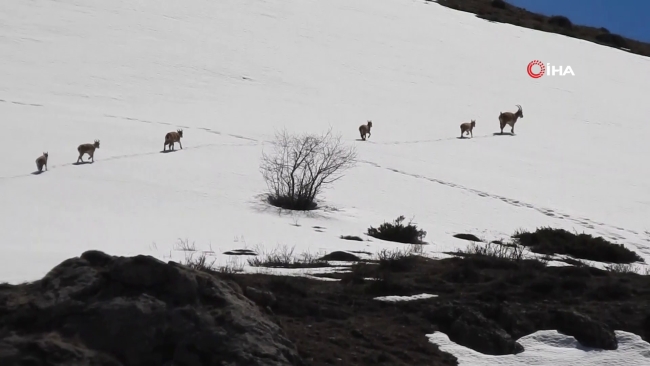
(540, 73)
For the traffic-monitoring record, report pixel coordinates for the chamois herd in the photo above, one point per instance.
(505, 118)
(171, 138)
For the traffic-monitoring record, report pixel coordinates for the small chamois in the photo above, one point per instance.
(87, 149)
(509, 118)
(42, 162)
(171, 138)
(467, 127)
(365, 130)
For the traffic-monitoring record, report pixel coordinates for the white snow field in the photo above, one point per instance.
(232, 72)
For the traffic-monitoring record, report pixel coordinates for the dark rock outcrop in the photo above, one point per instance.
(103, 310)
(588, 332)
(341, 256)
(261, 298)
(468, 327)
(470, 237)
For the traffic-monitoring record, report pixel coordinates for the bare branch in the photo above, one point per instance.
(302, 165)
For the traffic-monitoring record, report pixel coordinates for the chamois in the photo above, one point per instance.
(509, 118)
(42, 162)
(171, 138)
(365, 130)
(87, 149)
(467, 127)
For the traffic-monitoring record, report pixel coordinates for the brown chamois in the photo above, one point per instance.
(87, 149)
(365, 130)
(171, 138)
(509, 118)
(42, 162)
(467, 127)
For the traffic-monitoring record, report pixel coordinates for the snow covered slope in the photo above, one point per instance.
(230, 72)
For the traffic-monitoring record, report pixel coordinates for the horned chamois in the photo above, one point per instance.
(365, 130)
(509, 118)
(87, 149)
(42, 162)
(467, 127)
(171, 138)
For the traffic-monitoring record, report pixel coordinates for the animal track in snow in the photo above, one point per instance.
(21, 103)
(423, 141)
(205, 129)
(605, 230)
(120, 157)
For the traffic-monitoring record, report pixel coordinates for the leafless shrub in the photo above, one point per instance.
(400, 259)
(396, 231)
(233, 266)
(501, 251)
(301, 166)
(185, 245)
(622, 268)
(284, 257)
(199, 262)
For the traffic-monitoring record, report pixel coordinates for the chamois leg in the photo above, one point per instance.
(471, 133)
(80, 158)
(179, 142)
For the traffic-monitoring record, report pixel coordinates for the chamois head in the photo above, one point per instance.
(369, 123)
(473, 123)
(519, 112)
(180, 133)
(96, 144)
(45, 154)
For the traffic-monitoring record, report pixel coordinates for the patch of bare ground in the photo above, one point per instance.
(486, 300)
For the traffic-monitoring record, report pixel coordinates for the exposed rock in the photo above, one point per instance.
(110, 311)
(341, 256)
(588, 332)
(351, 237)
(240, 252)
(51, 350)
(469, 237)
(261, 298)
(469, 328)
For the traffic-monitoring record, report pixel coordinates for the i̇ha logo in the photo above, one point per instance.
(536, 69)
